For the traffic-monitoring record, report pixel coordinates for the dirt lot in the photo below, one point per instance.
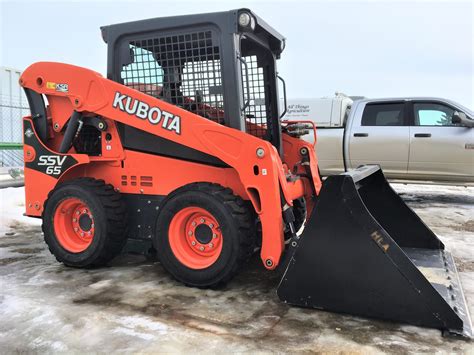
(135, 306)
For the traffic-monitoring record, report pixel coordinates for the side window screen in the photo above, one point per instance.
(383, 115)
(183, 69)
(254, 90)
(432, 114)
(144, 74)
(259, 90)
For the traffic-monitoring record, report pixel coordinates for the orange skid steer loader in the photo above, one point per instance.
(182, 151)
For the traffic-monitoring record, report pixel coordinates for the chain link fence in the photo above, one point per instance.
(12, 110)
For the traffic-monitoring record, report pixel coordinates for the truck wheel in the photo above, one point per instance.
(204, 234)
(84, 222)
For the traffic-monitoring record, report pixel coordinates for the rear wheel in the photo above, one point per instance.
(204, 234)
(84, 222)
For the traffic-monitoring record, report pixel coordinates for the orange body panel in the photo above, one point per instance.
(258, 178)
(37, 184)
(149, 174)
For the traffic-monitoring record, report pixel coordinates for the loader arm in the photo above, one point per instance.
(72, 89)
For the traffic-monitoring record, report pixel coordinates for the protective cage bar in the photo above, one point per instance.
(365, 252)
(255, 109)
(185, 70)
(182, 69)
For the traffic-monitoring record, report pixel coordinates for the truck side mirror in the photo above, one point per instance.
(461, 118)
(456, 119)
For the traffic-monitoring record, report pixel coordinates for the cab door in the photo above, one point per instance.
(439, 149)
(380, 137)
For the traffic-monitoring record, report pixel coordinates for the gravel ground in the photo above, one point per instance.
(134, 306)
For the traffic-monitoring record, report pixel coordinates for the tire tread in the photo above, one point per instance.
(241, 213)
(116, 214)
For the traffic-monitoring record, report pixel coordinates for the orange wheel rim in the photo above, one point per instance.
(195, 237)
(73, 225)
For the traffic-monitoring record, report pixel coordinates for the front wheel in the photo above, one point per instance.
(204, 235)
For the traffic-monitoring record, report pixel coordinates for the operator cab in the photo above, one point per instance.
(221, 66)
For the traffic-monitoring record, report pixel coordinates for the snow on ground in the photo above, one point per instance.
(12, 207)
(135, 306)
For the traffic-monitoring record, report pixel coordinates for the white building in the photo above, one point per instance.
(13, 106)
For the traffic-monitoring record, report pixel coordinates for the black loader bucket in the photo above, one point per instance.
(365, 252)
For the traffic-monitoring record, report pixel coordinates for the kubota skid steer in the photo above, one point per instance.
(182, 149)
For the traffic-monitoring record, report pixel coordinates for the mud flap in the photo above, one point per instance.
(365, 252)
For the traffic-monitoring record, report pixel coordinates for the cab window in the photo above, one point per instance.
(390, 114)
(433, 114)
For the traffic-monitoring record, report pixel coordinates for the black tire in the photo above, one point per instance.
(237, 224)
(299, 210)
(109, 217)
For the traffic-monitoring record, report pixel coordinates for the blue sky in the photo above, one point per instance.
(376, 49)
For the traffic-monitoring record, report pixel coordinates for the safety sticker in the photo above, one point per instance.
(57, 87)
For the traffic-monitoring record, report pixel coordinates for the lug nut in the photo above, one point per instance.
(260, 152)
(214, 235)
(201, 248)
(74, 219)
(211, 225)
(78, 212)
(190, 233)
(193, 242)
(211, 245)
(75, 229)
(202, 220)
(82, 234)
(193, 224)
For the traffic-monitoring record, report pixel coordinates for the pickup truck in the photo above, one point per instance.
(410, 138)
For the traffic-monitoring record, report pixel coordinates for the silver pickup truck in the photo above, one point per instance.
(410, 138)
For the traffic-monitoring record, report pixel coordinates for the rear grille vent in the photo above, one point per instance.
(133, 180)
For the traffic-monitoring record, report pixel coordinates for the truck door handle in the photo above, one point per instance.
(361, 134)
(422, 135)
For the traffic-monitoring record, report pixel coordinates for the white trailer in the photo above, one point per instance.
(325, 111)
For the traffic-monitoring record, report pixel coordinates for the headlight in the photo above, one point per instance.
(247, 21)
(244, 19)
